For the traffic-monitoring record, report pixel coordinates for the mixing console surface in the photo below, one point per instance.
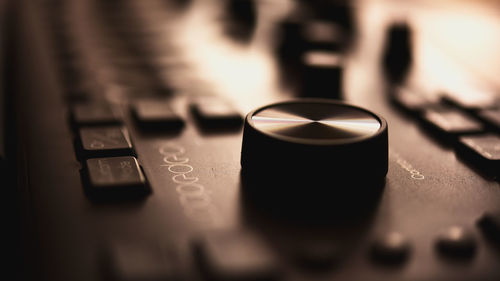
(369, 150)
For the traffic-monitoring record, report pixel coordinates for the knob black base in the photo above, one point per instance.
(315, 139)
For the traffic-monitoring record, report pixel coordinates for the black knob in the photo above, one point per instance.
(321, 75)
(397, 56)
(315, 142)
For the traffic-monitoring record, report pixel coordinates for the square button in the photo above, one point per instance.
(482, 151)
(133, 262)
(115, 176)
(105, 141)
(92, 114)
(215, 112)
(450, 122)
(155, 115)
(235, 256)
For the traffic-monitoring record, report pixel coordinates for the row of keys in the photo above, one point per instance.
(210, 112)
(313, 49)
(105, 145)
(105, 148)
(219, 256)
(110, 168)
(474, 133)
(238, 255)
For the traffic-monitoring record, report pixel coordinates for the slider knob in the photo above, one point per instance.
(318, 144)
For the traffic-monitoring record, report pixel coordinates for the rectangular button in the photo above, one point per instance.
(451, 122)
(105, 141)
(322, 74)
(491, 117)
(132, 262)
(235, 256)
(471, 99)
(409, 100)
(91, 114)
(156, 114)
(115, 175)
(482, 151)
(215, 112)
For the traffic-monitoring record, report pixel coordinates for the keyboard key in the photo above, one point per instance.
(130, 262)
(235, 256)
(322, 74)
(397, 56)
(491, 117)
(215, 112)
(481, 150)
(450, 122)
(490, 225)
(155, 114)
(105, 141)
(409, 100)
(456, 242)
(471, 99)
(115, 175)
(291, 43)
(94, 114)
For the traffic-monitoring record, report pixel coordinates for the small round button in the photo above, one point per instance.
(318, 255)
(390, 249)
(319, 140)
(456, 242)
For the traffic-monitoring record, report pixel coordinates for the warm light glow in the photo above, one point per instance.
(242, 73)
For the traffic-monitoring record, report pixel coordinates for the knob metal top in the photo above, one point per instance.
(315, 135)
(315, 122)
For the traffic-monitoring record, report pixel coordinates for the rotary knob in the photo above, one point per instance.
(315, 142)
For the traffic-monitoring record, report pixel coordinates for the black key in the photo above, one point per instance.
(156, 114)
(409, 100)
(470, 100)
(91, 114)
(242, 19)
(115, 176)
(339, 12)
(131, 262)
(105, 141)
(450, 122)
(397, 56)
(214, 112)
(322, 74)
(291, 43)
(235, 256)
(490, 225)
(391, 249)
(491, 117)
(481, 150)
(456, 243)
